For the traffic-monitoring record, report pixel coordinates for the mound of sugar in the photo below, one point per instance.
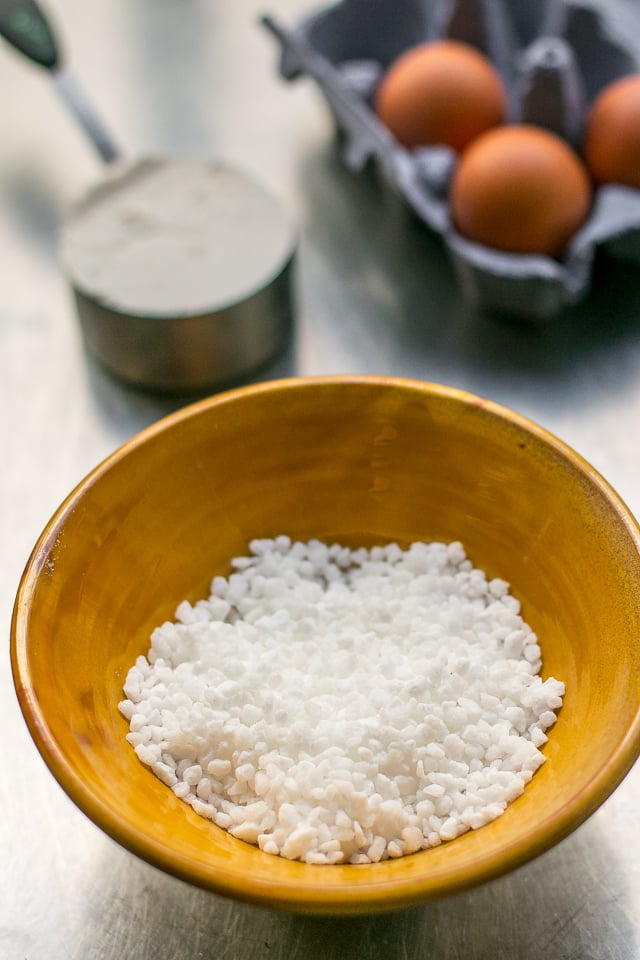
(335, 705)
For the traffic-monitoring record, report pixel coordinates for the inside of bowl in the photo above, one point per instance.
(358, 461)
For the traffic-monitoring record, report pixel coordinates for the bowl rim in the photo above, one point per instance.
(351, 897)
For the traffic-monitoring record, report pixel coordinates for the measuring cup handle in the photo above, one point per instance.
(25, 26)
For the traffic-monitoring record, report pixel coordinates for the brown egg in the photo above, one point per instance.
(521, 189)
(611, 145)
(440, 93)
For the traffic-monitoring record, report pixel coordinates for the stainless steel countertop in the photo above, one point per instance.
(375, 294)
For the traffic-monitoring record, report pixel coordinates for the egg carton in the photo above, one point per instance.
(554, 57)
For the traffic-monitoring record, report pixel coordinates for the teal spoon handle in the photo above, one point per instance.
(24, 25)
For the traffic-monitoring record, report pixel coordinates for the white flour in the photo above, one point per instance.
(174, 237)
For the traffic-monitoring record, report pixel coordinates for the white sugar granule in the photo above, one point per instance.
(334, 705)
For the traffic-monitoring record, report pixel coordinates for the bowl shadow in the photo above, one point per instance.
(569, 903)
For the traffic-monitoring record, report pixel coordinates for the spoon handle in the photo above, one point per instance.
(25, 26)
(75, 100)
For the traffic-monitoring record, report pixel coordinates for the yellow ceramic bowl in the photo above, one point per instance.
(360, 460)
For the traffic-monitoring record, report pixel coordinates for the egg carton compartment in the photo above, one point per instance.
(554, 57)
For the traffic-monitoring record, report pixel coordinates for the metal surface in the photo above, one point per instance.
(375, 294)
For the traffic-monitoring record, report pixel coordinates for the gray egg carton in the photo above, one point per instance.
(554, 56)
